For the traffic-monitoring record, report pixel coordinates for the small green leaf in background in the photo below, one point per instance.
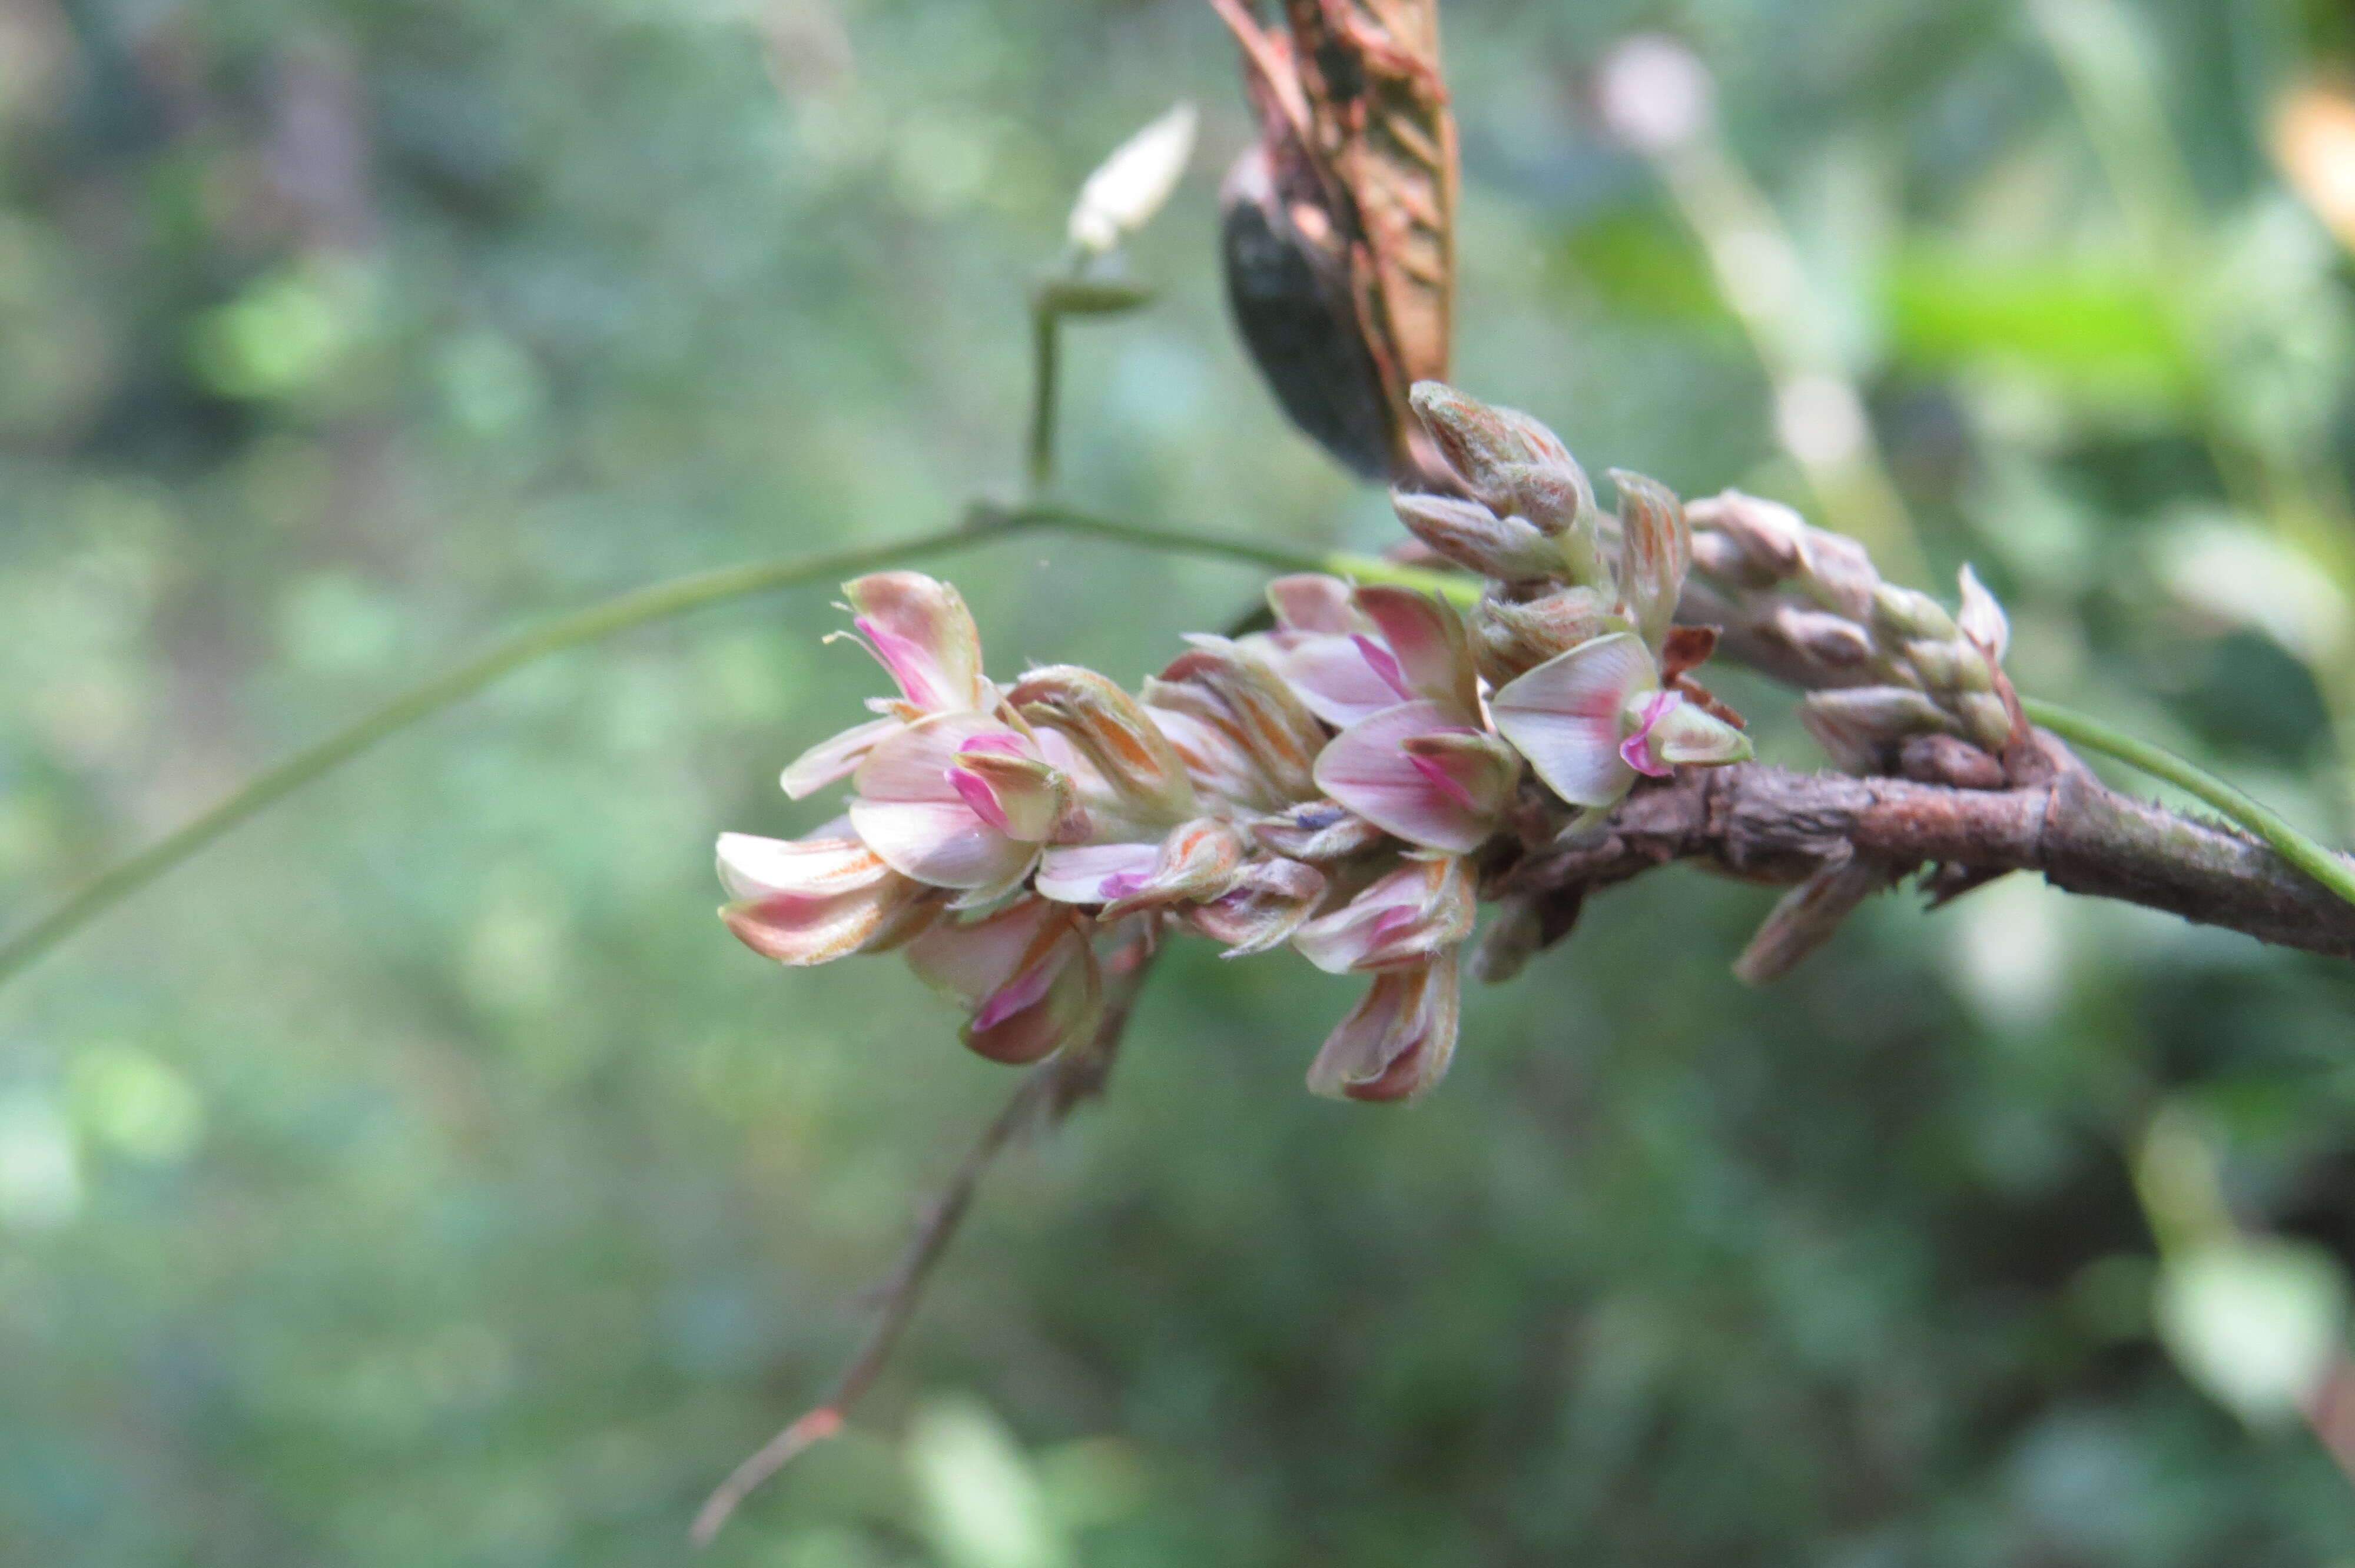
(982, 1504)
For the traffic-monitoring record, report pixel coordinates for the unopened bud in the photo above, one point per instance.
(1862, 727)
(1268, 901)
(1221, 684)
(1830, 639)
(1319, 830)
(1511, 639)
(1655, 553)
(1509, 549)
(1116, 736)
(1982, 618)
(1904, 616)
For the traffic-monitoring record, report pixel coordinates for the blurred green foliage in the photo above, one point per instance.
(423, 1176)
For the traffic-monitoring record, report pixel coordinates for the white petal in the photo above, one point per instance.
(939, 842)
(1129, 188)
(1079, 874)
(1564, 716)
(1366, 768)
(831, 760)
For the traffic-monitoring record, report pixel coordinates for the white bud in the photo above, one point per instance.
(1654, 93)
(1982, 620)
(1129, 188)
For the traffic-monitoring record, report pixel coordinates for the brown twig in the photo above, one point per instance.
(1766, 824)
(1048, 1093)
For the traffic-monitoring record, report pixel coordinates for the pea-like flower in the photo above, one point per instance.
(1425, 768)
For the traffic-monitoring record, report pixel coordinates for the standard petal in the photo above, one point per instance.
(1333, 678)
(1367, 768)
(1395, 1044)
(1427, 637)
(830, 761)
(1564, 716)
(920, 629)
(940, 843)
(1310, 602)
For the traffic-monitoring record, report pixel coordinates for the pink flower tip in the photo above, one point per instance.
(1636, 751)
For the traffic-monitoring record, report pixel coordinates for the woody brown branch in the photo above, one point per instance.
(1770, 825)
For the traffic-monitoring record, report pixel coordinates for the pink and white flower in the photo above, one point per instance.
(1027, 976)
(814, 900)
(1591, 720)
(1396, 1043)
(919, 630)
(961, 801)
(1423, 769)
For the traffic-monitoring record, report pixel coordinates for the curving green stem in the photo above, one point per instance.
(2335, 871)
(121, 880)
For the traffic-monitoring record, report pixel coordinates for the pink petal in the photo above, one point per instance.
(831, 760)
(806, 902)
(1430, 647)
(920, 630)
(975, 791)
(1396, 1043)
(942, 844)
(1422, 907)
(1095, 873)
(1380, 660)
(1440, 779)
(1331, 676)
(1310, 602)
(1367, 768)
(1636, 751)
(1564, 716)
(914, 764)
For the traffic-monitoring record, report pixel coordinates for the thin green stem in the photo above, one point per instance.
(586, 625)
(1047, 356)
(2335, 871)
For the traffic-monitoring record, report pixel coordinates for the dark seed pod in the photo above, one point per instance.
(1291, 304)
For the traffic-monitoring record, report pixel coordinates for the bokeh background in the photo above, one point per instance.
(423, 1176)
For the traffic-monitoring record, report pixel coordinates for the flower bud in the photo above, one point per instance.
(1511, 639)
(1862, 727)
(1406, 917)
(1655, 553)
(1318, 831)
(1509, 549)
(1269, 901)
(1026, 974)
(1902, 615)
(1199, 860)
(1830, 639)
(1982, 620)
(1221, 684)
(1395, 1044)
(1116, 736)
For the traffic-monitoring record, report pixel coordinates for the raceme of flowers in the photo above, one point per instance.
(1328, 785)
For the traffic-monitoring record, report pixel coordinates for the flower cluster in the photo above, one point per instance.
(1329, 784)
(1887, 667)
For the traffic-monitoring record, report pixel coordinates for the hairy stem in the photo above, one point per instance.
(2335, 871)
